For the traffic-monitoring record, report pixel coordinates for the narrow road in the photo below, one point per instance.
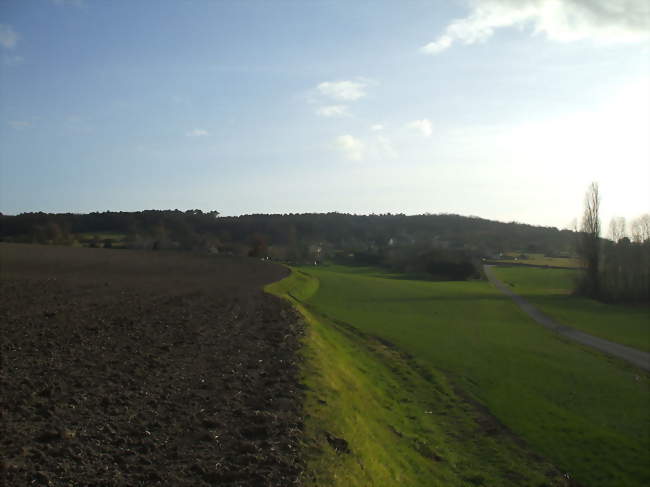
(632, 355)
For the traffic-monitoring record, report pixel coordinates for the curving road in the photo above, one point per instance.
(632, 355)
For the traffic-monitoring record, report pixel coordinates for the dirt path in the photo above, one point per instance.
(632, 355)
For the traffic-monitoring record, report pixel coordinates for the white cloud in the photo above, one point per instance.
(376, 127)
(424, 126)
(197, 133)
(333, 111)
(8, 37)
(604, 21)
(351, 147)
(440, 45)
(343, 90)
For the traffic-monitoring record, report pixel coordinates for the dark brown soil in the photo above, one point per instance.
(145, 368)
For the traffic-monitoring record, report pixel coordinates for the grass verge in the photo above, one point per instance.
(377, 417)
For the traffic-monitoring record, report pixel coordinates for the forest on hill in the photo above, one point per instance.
(195, 229)
(443, 245)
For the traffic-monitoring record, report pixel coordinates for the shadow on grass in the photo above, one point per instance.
(378, 272)
(465, 297)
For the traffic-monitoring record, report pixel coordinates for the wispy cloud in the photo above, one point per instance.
(19, 124)
(12, 60)
(333, 111)
(197, 133)
(384, 147)
(343, 90)
(423, 126)
(73, 3)
(78, 124)
(8, 36)
(376, 147)
(376, 127)
(352, 148)
(178, 100)
(604, 21)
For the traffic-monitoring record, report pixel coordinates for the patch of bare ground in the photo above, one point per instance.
(144, 368)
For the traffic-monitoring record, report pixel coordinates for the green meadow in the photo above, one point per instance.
(587, 413)
(403, 423)
(540, 260)
(550, 290)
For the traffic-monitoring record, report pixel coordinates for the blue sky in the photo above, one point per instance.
(498, 108)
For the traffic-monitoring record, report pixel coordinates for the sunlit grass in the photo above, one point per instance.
(586, 412)
(403, 422)
(551, 289)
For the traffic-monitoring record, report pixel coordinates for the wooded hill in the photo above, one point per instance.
(296, 233)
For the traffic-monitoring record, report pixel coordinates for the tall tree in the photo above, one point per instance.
(589, 248)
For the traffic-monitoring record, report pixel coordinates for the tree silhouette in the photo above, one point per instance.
(589, 248)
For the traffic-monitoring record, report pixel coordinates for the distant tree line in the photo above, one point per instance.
(179, 229)
(423, 260)
(440, 245)
(625, 271)
(616, 269)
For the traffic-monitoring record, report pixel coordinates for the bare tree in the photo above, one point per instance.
(640, 228)
(617, 228)
(589, 248)
(624, 273)
(645, 226)
(591, 217)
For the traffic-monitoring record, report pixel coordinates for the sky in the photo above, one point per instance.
(503, 109)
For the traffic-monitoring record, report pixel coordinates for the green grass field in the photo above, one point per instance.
(540, 260)
(589, 414)
(404, 423)
(550, 290)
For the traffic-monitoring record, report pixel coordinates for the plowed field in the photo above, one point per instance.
(145, 368)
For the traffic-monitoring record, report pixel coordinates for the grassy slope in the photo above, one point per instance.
(587, 413)
(550, 290)
(404, 424)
